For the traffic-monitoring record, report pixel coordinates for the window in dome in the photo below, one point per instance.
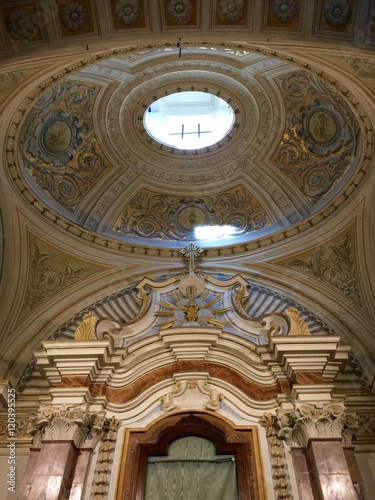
(189, 120)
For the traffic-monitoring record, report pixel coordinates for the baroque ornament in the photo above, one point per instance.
(86, 330)
(278, 461)
(162, 216)
(284, 10)
(232, 10)
(73, 16)
(21, 24)
(58, 148)
(180, 10)
(47, 279)
(307, 421)
(127, 11)
(337, 13)
(320, 139)
(105, 458)
(334, 266)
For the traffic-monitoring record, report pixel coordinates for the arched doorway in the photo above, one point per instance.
(241, 442)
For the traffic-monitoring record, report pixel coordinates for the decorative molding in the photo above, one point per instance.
(105, 458)
(278, 462)
(159, 216)
(309, 421)
(194, 394)
(86, 330)
(232, 250)
(74, 423)
(333, 264)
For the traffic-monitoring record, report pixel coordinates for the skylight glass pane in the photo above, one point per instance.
(189, 120)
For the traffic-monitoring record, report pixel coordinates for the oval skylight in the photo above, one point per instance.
(189, 120)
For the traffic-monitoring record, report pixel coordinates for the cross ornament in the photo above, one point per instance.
(191, 252)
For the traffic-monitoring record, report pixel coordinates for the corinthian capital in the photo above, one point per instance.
(67, 423)
(307, 421)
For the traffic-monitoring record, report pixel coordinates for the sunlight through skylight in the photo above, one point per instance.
(214, 232)
(189, 120)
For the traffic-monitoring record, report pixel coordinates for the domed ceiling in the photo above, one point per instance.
(297, 141)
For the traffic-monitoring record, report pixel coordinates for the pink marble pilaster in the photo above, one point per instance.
(54, 470)
(83, 460)
(27, 479)
(303, 473)
(355, 472)
(330, 470)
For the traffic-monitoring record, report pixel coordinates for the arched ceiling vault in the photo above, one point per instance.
(90, 203)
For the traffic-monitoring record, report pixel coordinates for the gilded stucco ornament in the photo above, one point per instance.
(86, 330)
(68, 189)
(284, 10)
(73, 16)
(320, 138)
(161, 216)
(58, 147)
(127, 11)
(232, 10)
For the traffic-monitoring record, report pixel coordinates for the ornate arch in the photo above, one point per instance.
(155, 439)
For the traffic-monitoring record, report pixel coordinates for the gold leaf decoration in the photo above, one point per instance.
(86, 330)
(297, 324)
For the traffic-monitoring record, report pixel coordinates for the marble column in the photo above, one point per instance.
(54, 470)
(317, 434)
(63, 441)
(330, 471)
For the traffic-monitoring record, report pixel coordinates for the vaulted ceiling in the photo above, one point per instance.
(90, 203)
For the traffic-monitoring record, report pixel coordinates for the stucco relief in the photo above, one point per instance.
(155, 215)
(58, 146)
(191, 394)
(74, 423)
(134, 165)
(50, 272)
(334, 264)
(320, 137)
(317, 420)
